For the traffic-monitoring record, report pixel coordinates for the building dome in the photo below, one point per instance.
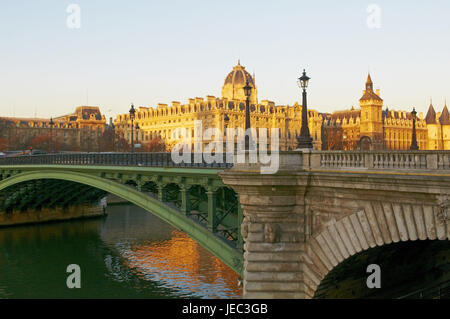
(233, 88)
(239, 76)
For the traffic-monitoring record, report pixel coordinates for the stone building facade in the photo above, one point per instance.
(80, 129)
(225, 112)
(370, 127)
(438, 129)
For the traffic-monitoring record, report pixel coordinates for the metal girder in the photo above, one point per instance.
(79, 190)
(50, 187)
(150, 186)
(62, 193)
(172, 194)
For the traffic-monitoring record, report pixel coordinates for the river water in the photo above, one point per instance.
(127, 254)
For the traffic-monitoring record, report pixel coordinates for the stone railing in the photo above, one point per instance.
(416, 160)
(323, 160)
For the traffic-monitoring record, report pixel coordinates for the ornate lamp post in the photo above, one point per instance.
(132, 115)
(51, 134)
(248, 93)
(137, 133)
(305, 140)
(414, 146)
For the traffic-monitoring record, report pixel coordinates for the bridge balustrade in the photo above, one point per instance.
(403, 160)
(395, 160)
(110, 159)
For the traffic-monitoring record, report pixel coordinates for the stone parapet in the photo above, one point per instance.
(271, 229)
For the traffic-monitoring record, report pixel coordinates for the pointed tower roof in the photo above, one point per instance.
(368, 93)
(445, 116)
(431, 115)
(369, 79)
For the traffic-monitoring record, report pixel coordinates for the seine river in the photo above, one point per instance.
(128, 254)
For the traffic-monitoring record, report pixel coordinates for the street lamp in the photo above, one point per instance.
(137, 133)
(132, 115)
(248, 93)
(305, 140)
(51, 134)
(414, 146)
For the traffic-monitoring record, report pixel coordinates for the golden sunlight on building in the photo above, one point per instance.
(225, 112)
(81, 129)
(372, 128)
(368, 127)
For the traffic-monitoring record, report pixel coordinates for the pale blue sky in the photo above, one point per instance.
(159, 51)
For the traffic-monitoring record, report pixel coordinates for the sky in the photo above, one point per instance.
(148, 52)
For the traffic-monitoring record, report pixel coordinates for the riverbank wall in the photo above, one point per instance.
(32, 216)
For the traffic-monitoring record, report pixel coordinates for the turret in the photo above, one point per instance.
(371, 119)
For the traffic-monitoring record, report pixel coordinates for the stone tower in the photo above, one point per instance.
(433, 129)
(371, 131)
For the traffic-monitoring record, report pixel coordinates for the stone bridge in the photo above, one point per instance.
(308, 231)
(311, 229)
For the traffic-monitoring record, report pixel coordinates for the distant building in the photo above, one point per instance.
(372, 128)
(438, 129)
(225, 112)
(80, 129)
(368, 128)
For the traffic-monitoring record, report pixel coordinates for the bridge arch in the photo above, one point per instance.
(217, 246)
(366, 229)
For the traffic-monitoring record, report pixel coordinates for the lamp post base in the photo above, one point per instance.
(304, 143)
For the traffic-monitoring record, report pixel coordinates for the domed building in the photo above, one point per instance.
(233, 88)
(225, 112)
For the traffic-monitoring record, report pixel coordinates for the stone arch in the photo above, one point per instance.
(368, 228)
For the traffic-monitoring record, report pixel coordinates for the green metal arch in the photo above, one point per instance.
(217, 246)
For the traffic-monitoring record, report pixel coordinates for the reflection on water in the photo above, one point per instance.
(128, 254)
(181, 263)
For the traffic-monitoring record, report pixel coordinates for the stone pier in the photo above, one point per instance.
(272, 228)
(321, 208)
